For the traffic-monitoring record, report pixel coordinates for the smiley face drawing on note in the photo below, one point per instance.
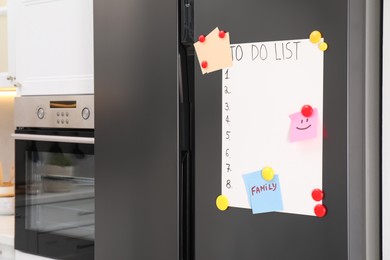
(303, 127)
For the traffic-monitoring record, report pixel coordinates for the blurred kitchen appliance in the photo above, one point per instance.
(55, 176)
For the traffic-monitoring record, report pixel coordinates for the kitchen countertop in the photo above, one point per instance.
(7, 232)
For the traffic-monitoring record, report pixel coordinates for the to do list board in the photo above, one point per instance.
(268, 82)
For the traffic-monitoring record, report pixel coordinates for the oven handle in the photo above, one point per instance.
(54, 138)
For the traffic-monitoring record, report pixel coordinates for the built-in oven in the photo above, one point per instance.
(55, 176)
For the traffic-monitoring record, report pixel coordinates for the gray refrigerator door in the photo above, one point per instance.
(136, 146)
(239, 234)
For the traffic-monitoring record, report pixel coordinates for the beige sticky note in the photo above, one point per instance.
(215, 51)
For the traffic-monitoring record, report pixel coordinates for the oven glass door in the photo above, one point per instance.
(55, 195)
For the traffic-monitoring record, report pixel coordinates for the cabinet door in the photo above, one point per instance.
(7, 58)
(54, 46)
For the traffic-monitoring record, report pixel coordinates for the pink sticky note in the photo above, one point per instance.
(302, 128)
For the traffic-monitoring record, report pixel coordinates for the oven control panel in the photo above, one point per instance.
(55, 111)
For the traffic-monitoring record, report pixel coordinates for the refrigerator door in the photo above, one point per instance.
(344, 231)
(385, 133)
(136, 104)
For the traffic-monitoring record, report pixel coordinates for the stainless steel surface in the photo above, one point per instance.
(372, 128)
(54, 138)
(363, 157)
(35, 111)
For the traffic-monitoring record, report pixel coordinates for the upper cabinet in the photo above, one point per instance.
(6, 47)
(53, 46)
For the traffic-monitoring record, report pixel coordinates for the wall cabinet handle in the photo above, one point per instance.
(11, 78)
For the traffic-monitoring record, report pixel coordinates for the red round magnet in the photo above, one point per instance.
(317, 194)
(202, 38)
(222, 34)
(204, 64)
(307, 110)
(320, 210)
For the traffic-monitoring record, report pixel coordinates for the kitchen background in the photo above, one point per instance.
(120, 235)
(6, 105)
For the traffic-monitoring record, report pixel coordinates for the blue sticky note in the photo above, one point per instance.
(248, 179)
(264, 196)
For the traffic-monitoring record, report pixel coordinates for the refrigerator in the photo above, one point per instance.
(162, 137)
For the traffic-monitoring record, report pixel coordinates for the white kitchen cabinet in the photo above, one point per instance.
(53, 46)
(7, 53)
(7, 251)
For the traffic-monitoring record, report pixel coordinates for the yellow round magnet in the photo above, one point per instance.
(323, 46)
(222, 202)
(315, 36)
(267, 173)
